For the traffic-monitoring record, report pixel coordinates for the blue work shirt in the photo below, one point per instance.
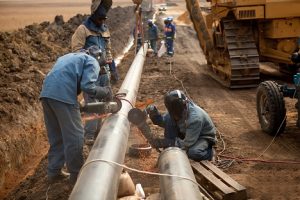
(152, 32)
(197, 125)
(170, 31)
(70, 74)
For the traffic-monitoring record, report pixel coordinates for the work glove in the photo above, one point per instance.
(103, 93)
(152, 111)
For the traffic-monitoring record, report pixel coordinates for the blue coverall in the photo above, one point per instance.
(71, 74)
(194, 133)
(92, 127)
(170, 35)
(153, 36)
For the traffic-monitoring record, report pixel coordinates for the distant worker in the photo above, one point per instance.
(137, 35)
(170, 31)
(153, 35)
(71, 74)
(186, 126)
(94, 31)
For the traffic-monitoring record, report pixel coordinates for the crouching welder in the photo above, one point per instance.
(186, 125)
(71, 74)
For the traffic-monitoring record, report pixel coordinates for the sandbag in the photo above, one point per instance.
(126, 185)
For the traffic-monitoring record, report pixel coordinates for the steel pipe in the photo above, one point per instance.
(99, 179)
(174, 161)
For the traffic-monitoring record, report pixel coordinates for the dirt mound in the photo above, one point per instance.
(185, 18)
(26, 56)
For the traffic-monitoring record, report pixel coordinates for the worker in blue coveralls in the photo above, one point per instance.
(71, 74)
(152, 35)
(170, 31)
(186, 125)
(94, 31)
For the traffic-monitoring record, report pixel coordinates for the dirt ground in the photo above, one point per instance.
(233, 112)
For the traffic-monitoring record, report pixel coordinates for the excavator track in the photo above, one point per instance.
(241, 56)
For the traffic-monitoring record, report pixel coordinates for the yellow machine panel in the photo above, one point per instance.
(282, 9)
(282, 28)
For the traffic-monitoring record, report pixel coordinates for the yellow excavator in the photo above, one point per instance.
(237, 35)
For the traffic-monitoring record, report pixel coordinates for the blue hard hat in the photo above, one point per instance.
(170, 18)
(150, 21)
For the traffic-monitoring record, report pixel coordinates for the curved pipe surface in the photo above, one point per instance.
(174, 161)
(100, 180)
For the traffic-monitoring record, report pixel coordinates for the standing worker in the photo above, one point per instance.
(186, 125)
(170, 30)
(153, 35)
(71, 74)
(94, 31)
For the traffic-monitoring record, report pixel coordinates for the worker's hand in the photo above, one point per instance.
(152, 111)
(103, 93)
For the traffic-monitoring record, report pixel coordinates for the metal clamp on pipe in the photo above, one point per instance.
(102, 107)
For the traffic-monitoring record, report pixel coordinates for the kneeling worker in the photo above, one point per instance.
(186, 125)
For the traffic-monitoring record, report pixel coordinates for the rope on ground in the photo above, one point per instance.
(277, 132)
(142, 171)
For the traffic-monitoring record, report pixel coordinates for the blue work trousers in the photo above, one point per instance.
(170, 47)
(201, 150)
(65, 135)
(92, 127)
(153, 44)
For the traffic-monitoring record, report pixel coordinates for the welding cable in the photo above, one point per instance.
(120, 97)
(261, 160)
(142, 171)
(220, 163)
(177, 79)
(232, 159)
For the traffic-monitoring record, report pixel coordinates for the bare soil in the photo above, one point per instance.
(25, 56)
(233, 112)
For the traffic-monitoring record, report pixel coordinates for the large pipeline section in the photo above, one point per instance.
(99, 179)
(174, 161)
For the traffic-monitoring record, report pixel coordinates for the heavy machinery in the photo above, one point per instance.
(236, 35)
(270, 102)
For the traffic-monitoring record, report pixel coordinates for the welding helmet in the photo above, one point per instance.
(175, 102)
(97, 53)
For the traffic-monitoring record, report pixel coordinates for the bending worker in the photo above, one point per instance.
(186, 125)
(94, 31)
(71, 74)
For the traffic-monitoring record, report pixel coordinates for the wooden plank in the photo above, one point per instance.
(223, 176)
(209, 181)
(219, 184)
